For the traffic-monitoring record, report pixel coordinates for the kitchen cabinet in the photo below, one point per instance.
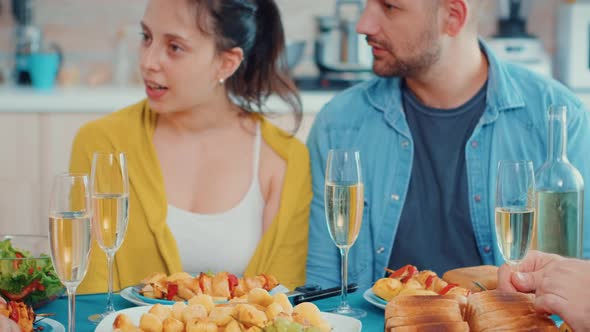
(33, 148)
(20, 178)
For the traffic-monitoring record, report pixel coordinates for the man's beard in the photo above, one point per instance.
(393, 65)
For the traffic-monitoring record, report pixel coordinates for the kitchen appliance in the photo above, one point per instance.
(573, 44)
(27, 39)
(340, 52)
(29, 46)
(513, 43)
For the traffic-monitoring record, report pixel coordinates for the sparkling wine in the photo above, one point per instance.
(560, 222)
(70, 237)
(110, 219)
(514, 228)
(344, 212)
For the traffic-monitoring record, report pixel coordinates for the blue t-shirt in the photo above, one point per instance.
(435, 230)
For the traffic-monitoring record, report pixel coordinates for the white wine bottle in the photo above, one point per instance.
(560, 194)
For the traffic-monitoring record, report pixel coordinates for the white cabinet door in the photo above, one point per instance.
(57, 131)
(20, 181)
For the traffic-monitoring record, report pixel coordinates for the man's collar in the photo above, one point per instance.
(502, 91)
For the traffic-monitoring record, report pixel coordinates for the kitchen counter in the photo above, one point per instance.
(109, 99)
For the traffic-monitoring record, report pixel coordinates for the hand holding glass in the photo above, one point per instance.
(110, 203)
(70, 234)
(515, 208)
(344, 201)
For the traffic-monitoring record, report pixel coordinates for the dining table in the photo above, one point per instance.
(88, 304)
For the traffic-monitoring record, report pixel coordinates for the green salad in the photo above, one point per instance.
(32, 281)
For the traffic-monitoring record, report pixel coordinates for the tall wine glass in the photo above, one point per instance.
(515, 208)
(344, 201)
(70, 234)
(109, 185)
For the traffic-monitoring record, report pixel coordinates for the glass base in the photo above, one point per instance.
(346, 310)
(96, 318)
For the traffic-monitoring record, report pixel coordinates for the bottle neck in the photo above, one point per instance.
(557, 135)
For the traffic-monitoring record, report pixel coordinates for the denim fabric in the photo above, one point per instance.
(370, 117)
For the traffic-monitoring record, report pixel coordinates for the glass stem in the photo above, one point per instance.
(344, 278)
(71, 308)
(110, 261)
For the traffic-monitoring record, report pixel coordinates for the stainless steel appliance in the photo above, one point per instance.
(513, 43)
(339, 50)
(573, 44)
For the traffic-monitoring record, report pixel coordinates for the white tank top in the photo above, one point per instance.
(223, 241)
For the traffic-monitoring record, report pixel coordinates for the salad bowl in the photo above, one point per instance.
(26, 271)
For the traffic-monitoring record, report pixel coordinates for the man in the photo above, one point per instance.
(558, 283)
(430, 131)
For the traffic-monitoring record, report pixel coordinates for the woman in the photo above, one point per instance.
(213, 185)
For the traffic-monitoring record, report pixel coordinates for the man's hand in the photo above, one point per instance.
(561, 285)
(6, 324)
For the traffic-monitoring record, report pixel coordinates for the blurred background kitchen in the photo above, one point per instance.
(66, 62)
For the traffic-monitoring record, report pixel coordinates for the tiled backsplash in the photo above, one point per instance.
(87, 30)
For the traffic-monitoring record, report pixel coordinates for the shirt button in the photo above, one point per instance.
(380, 250)
(395, 197)
(477, 198)
(474, 144)
(405, 144)
(487, 249)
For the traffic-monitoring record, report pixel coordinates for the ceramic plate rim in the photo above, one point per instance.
(372, 298)
(106, 324)
(127, 294)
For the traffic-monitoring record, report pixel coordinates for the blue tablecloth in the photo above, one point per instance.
(87, 305)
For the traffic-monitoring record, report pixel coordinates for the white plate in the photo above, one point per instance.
(128, 295)
(50, 325)
(375, 300)
(339, 323)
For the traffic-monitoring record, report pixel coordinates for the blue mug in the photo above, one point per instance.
(44, 67)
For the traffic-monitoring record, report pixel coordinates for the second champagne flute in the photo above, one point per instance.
(70, 235)
(515, 208)
(109, 185)
(344, 201)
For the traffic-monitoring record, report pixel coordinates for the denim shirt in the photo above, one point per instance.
(369, 117)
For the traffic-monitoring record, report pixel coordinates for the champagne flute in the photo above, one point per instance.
(70, 234)
(344, 201)
(109, 185)
(515, 208)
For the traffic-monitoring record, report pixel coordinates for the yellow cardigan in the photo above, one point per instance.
(149, 246)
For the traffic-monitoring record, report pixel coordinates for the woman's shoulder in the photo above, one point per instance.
(120, 123)
(287, 146)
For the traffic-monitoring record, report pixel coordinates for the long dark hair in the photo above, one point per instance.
(256, 27)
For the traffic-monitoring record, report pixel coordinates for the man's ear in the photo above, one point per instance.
(230, 62)
(456, 15)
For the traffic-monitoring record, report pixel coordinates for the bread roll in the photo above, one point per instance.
(486, 275)
(433, 327)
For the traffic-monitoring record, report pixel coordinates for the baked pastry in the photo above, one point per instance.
(409, 281)
(201, 314)
(485, 275)
(418, 313)
(496, 311)
(221, 286)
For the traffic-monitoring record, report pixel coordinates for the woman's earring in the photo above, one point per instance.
(221, 81)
